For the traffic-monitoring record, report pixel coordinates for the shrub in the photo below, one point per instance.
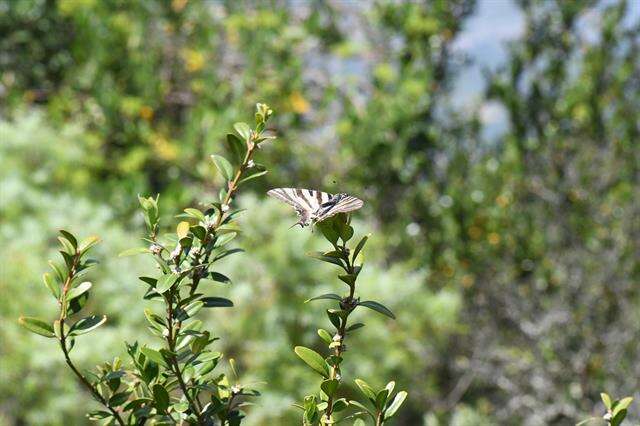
(177, 381)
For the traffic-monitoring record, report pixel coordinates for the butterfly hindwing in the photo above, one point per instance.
(342, 203)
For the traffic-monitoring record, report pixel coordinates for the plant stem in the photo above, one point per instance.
(63, 341)
(338, 350)
(85, 382)
(174, 365)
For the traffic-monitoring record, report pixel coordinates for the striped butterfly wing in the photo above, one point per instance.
(340, 203)
(306, 202)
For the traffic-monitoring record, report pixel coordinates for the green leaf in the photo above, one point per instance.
(236, 148)
(606, 399)
(221, 278)
(349, 279)
(51, 284)
(327, 229)
(328, 296)
(182, 230)
(346, 232)
(359, 247)
(243, 130)
(87, 243)
(395, 404)
(223, 166)
(254, 172)
(360, 405)
(216, 302)
(133, 251)
(193, 308)
(623, 404)
(165, 282)
(119, 399)
(79, 290)
(313, 360)
(161, 397)
(366, 390)
(153, 355)
(378, 307)
(381, 398)
(37, 326)
(195, 213)
(330, 386)
(87, 324)
(321, 256)
(69, 237)
(99, 415)
(354, 327)
(334, 318)
(324, 335)
(225, 239)
(339, 405)
(618, 418)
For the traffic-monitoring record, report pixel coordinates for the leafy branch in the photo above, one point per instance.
(71, 294)
(322, 408)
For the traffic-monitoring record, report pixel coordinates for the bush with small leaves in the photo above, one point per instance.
(174, 382)
(327, 407)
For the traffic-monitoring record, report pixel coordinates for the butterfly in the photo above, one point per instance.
(315, 206)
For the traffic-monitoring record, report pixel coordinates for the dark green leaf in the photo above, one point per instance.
(236, 148)
(321, 256)
(354, 327)
(328, 296)
(119, 399)
(37, 326)
(330, 386)
(228, 253)
(87, 324)
(381, 398)
(161, 397)
(334, 318)
(221, 278)
(254, 172)
(377, 307)
(313, 360)
(216, 302)
(69, 237)
(340, 405)
(328, 230)
(366, 390)
(359, 247)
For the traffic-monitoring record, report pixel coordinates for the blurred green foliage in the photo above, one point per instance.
(515, 258)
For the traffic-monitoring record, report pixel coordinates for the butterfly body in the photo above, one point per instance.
(315, 206)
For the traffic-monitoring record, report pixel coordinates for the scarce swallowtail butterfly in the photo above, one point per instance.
(315, 206)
